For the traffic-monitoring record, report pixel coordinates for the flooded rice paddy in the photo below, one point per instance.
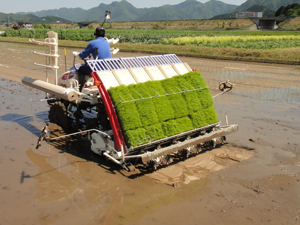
(254, 179)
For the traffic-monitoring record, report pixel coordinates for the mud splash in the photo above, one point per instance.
(201, 165)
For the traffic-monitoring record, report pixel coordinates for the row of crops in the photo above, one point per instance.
(234, 39)
(251, 42)
(128, 36)
(125, 36)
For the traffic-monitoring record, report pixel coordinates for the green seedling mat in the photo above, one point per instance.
(157, 109)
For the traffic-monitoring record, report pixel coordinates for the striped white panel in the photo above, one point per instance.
(168, 71)
(124, 76)
(180, 68)
(108, 79)
(140, 75)
(155, 73)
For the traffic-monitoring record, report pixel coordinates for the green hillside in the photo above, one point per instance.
(186, 10)
(15, 18)
(190, 9)
(125, 11)
(289, 10)
(271, 4)
(121, 11)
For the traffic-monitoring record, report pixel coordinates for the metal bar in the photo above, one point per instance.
(98, 65)
(115, 63)
(142, 61)
(219, 94)
(146, 61)
(80, 132)
(166, 94)
(130, 62)
(104, 65)
(43, 43)
(135, 63)
(183, 145)
(160, 60)
(47, 66)
(108, 65)
(111, 158)
(176, 136)
(126, 62)
(45, 54)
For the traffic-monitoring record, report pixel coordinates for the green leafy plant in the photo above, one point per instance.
(156, 109)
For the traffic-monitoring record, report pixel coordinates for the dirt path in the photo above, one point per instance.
(58, 184)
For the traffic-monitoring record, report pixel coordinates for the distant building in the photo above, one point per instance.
(247, 14)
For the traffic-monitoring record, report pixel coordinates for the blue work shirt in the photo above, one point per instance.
(103, 49)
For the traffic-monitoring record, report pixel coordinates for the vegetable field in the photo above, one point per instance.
(221, 39)
(249, 42)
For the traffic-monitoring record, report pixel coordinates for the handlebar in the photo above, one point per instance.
(75, 53)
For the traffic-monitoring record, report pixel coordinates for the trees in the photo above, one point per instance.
(289, 10)
(280, 11)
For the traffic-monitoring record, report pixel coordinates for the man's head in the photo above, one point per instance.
(100, 31)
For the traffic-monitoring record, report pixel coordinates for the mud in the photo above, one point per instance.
(254, 179)
(200, 166)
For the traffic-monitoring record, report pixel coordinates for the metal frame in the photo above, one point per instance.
(132, 62)
(160, 60)
(98, 65)
(146, 61)
(111, 113)
(115, 64)
(172, 58)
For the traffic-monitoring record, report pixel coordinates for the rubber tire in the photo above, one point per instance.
(58, 115)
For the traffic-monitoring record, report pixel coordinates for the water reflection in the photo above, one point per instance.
(288, 95)
(76, 182)
(26, 121)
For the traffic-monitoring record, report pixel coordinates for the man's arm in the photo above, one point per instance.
(87, 51)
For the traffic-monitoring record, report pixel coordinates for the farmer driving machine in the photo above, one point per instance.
(136, 110)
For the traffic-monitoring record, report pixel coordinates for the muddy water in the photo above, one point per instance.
(254, 179)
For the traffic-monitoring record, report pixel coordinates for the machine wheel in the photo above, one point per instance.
(131, 168)
(58, 115)
(153, 165)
